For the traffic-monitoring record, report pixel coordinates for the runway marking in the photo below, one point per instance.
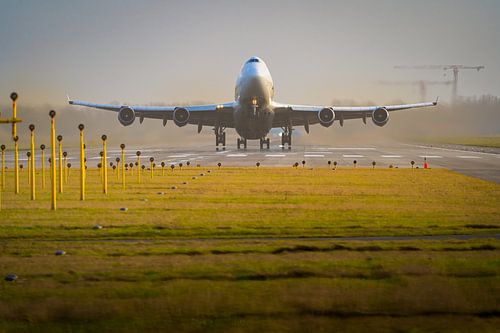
(107, 157)
(352, 155)
(223, 152)
(313, 155)
(275, 155)
(236, 155)
(317, 152)
(356, 148)
(391, 156)
(179, 156)
(431, 156)
(468, 156)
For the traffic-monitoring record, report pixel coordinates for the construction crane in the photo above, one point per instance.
(455, 68)
(421, 84)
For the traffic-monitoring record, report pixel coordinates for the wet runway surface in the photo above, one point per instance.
(473, 163)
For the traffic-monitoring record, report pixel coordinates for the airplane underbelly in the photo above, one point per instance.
(253, 126)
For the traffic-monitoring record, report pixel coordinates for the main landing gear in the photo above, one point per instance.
(286, 138)
(264, 142)
(220, 137)
(241, 142)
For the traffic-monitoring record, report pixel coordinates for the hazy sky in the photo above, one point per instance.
(317, 51)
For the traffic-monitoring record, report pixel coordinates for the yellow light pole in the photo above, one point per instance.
(14, 120)
(42, 148)
(104, 166)
(28, 155)
(60, 163)
(32, 166)
(14, 97)
(117, 168)
(101, 153)
(151, 160)
(68, 166)
(163, 168)
(138, 163)
(122, 146)
(16, 165)
(99, 166)
(3, 166)
(65, 171)
(53, 196)
(81, 127)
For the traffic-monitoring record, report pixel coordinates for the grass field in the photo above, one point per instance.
(480, 141)
(230, 251)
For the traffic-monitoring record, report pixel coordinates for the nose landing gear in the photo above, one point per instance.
(220, 137)
(243, 142)
(266, 142)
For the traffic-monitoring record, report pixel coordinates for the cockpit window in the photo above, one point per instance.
(253, 60)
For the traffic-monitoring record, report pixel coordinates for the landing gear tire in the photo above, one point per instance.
(265, 142)
(243, 142)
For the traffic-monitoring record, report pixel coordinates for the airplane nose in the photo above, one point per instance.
(255, 87)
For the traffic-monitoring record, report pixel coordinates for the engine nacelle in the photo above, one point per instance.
(326, 117)
(181, 117)
(380, 117)
(126, 116)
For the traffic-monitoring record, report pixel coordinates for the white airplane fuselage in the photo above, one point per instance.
(253, 115)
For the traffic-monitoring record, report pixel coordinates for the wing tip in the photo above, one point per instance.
(436, 101)
(70, 101)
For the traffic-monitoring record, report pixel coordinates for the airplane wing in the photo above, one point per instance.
(201, 115)
(305, 115)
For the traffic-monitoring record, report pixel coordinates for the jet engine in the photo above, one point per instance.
(126, 116)
(380, 117)
(326, 117)
(181, 116)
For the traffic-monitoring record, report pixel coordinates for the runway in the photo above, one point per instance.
(484, 165)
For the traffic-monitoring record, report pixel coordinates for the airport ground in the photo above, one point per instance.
(476, 161)
(271, 248)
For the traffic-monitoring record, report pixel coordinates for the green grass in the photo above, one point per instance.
(238, 202)
(224, 253)
(481, 141)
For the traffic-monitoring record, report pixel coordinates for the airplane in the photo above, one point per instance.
(253, 113)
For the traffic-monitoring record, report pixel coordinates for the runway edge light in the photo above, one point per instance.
(81, 127)
(53, 174)
(42, 160)
(104, 165)
(60, 163)
(32, 175)
(122, 146)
